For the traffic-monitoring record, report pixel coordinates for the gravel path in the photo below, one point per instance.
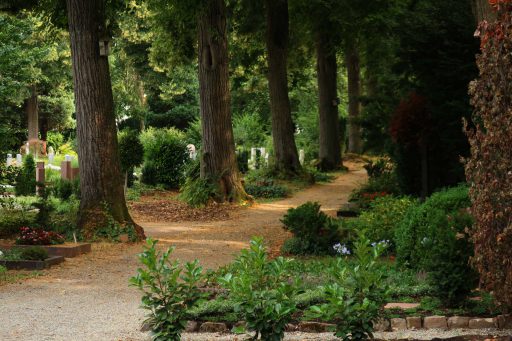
(88, 298)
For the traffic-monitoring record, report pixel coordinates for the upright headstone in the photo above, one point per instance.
(27, 148)
(40, 176)
(19, 160)
(266, 159)
(65, 170)
(192, 153)
(51, 156)
(252, 160)
(301, 156)
(9, 159)
(68, 158)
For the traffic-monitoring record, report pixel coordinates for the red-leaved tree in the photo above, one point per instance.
(489, 168)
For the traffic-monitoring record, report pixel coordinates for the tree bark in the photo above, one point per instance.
(355, 144)
(483, 11)
(32, 112)
(277, 37)
(330, 144)
(101, 179)
(218, 159)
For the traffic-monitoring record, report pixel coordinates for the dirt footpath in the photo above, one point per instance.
(88, 298)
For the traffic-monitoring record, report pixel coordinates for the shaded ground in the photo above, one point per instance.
(88, 298)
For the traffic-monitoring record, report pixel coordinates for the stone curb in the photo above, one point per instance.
(383, 325)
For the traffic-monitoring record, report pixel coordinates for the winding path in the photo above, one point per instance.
(88, 298)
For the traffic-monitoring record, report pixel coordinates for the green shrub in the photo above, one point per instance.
(64, 189)
(198, 192)
(12, 220)
(54, 139)
(8, 175)
(272, 191)
(165, 157)
(248, 130)
(386, 184)
(434, 237)
(34, 253)
(26, 179)
(263, 292)
(355, 293)
(170, 291)
(131, 153)
(382, 217)
(3, 271)
(314, 231)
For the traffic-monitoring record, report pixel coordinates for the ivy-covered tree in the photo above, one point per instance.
(489, 169)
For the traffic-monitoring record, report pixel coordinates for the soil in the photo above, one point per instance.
(88, 297)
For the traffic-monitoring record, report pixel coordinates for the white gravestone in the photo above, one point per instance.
(19, 160)
(9, 159)
(301, 156)
(252, 160)
(192, 153)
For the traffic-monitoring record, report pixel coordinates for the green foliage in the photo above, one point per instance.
(263, 292)
(165, 156)
(26, 180)
(34, 253)
(382, 217)
(271, 191)
(249, 130)
(64, 189)
(11, 220)
(434, 237)
(54, 139)
(3, 272)
(314, 232)
(169, 289)
(355, 294)
(198, 192)
(131, 151)
(385, 184)
(43, 205)
(8, 175)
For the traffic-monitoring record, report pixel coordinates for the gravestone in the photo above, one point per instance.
(19, 160)
(192, 153)
(65, 170)
(301, 156)
(9, 159)
(252, 160)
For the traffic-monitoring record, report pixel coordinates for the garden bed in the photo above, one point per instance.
(31, 264)
(66, 250)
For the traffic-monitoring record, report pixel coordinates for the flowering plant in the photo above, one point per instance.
(29, 236)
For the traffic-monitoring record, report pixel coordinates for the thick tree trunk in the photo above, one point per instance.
(483, 11)
(32, 113)
(355, 144)
(101, 179)
(329, 130)
(285, 149)
(218, 160)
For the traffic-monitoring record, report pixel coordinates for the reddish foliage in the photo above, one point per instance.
(489, 169)
(30, 236)
(411, 121)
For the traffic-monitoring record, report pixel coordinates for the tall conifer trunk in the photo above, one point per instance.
(355, 144)
(101, 180)
(329, 126)
(277, 37)
(218, 160)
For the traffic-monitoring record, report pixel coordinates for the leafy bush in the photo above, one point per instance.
(29, 236)
(26, 179)
(198, 192)
(12, 220)
(34, 253)
(385, 184)
(355, 293)
(263, 292)
(165, 156)
(170, 290)
(8, 175)
(54, 139)
(3, 270)
(131, 151)
(272, 191)
(249, 130)
(64, 189)
(382, 217)
(433, 237)
(314, 232)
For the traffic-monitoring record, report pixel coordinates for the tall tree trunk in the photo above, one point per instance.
(101, 179)
(355, 144)
(483, 11)
(218, 160)
(32, 113)
(285, 149)
(329, 127)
